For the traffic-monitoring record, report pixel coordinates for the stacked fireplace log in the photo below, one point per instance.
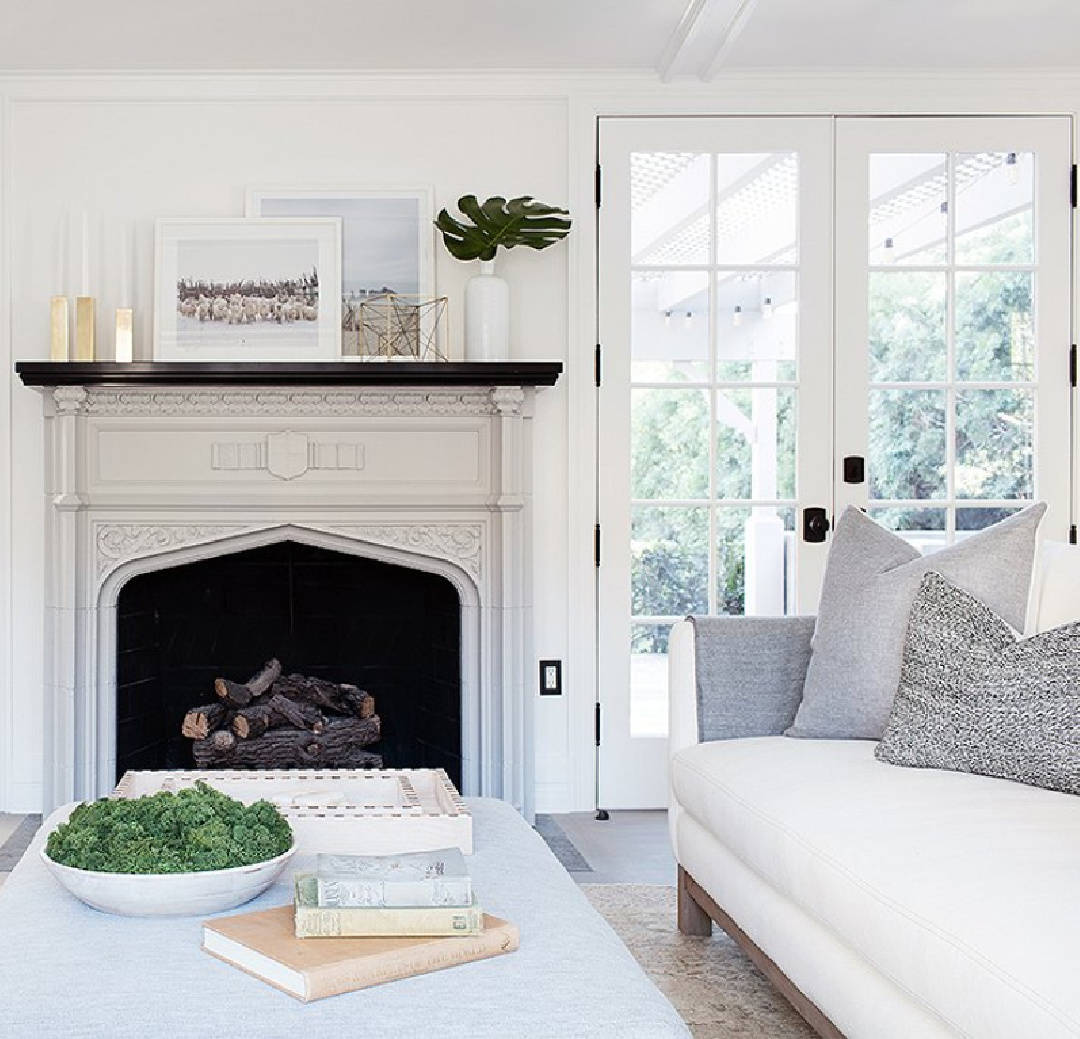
(284, 721)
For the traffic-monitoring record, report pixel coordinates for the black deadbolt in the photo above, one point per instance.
(854, 469)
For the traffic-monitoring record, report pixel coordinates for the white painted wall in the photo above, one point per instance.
(133, 148)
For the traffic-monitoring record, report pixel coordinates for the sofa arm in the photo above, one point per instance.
(735, 676)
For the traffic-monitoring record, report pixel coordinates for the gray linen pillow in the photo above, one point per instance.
(973, 698)
(871, 579)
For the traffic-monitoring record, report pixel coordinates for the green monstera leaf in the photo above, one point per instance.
(497, 223)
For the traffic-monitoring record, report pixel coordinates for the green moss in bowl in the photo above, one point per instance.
(190, 831)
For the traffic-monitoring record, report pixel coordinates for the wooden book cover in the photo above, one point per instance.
(263, 944)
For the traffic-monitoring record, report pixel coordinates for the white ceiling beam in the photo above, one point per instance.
(728, 37)
(676, 46)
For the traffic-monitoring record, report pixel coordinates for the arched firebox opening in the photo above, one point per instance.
(391, 630)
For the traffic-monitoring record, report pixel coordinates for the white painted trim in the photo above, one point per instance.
(7, 548)
(581, 462)
(777, 92)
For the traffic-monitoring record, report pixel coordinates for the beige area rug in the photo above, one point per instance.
(717, 990)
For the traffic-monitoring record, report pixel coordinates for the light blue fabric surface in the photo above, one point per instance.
(70, 972)
(750, 673)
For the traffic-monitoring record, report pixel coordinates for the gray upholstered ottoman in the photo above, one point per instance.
(67, 970)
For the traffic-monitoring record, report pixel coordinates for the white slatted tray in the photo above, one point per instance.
(347, 811)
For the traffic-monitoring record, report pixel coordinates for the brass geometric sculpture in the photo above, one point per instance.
(401, 326)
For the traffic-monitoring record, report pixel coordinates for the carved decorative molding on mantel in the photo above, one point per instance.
(508, 399)
(121, 542)
(282, 403)
(70, 400)
(459, 543)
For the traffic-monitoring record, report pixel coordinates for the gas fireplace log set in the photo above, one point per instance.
(284, 721)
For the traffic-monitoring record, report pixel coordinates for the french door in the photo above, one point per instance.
(715, 402)
(797, 314)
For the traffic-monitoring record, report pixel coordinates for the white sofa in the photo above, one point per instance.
(886, 903)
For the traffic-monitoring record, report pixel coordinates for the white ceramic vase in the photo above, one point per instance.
(487, 316)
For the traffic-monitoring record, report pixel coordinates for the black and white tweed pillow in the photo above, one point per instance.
(974, 698)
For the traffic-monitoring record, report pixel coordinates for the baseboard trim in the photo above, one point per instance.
(697, 907)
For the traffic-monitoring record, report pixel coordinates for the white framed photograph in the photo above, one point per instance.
(234, 289)
(387, 241)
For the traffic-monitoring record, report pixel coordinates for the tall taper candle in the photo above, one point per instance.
(84, 274)
(62, 243)
(124, 294)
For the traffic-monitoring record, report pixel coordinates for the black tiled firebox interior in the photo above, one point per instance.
(391, 630)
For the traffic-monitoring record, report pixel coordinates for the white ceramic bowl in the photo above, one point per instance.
(169, 894)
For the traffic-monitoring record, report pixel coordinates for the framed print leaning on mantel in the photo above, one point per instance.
(234, 289)
(387, 240)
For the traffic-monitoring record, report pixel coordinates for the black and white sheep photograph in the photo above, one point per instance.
(267, 290)
(236, 289)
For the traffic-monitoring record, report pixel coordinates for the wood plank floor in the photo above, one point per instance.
(631, 847)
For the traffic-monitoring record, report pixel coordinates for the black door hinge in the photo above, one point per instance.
(1072, 365)
(596, 544)
(597, 371)
(598, 179)
(597, 723)
(1072, 186)
(1072, 534)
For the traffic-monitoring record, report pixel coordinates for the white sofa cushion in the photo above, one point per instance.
(1056, 595)
(963, 890)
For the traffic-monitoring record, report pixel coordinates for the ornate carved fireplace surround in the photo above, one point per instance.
(156, 465)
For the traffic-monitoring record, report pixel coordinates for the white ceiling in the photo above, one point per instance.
(673, 38)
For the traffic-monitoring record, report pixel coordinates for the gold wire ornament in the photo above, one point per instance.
(395, 326)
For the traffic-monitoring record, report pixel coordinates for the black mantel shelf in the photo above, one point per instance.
(288, 373)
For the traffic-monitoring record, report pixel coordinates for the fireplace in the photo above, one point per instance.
(393, 631)
(414, 477)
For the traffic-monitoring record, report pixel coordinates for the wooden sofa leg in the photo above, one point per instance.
(692, 918)
(692, 912)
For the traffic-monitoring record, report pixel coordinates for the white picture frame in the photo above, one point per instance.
(387, 237)
(236, 289)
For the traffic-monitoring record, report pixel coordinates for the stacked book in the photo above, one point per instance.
(361, 920)
(422, 894)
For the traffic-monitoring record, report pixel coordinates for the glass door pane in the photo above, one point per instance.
(959, 304)
(943, 315)
(713, 397)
